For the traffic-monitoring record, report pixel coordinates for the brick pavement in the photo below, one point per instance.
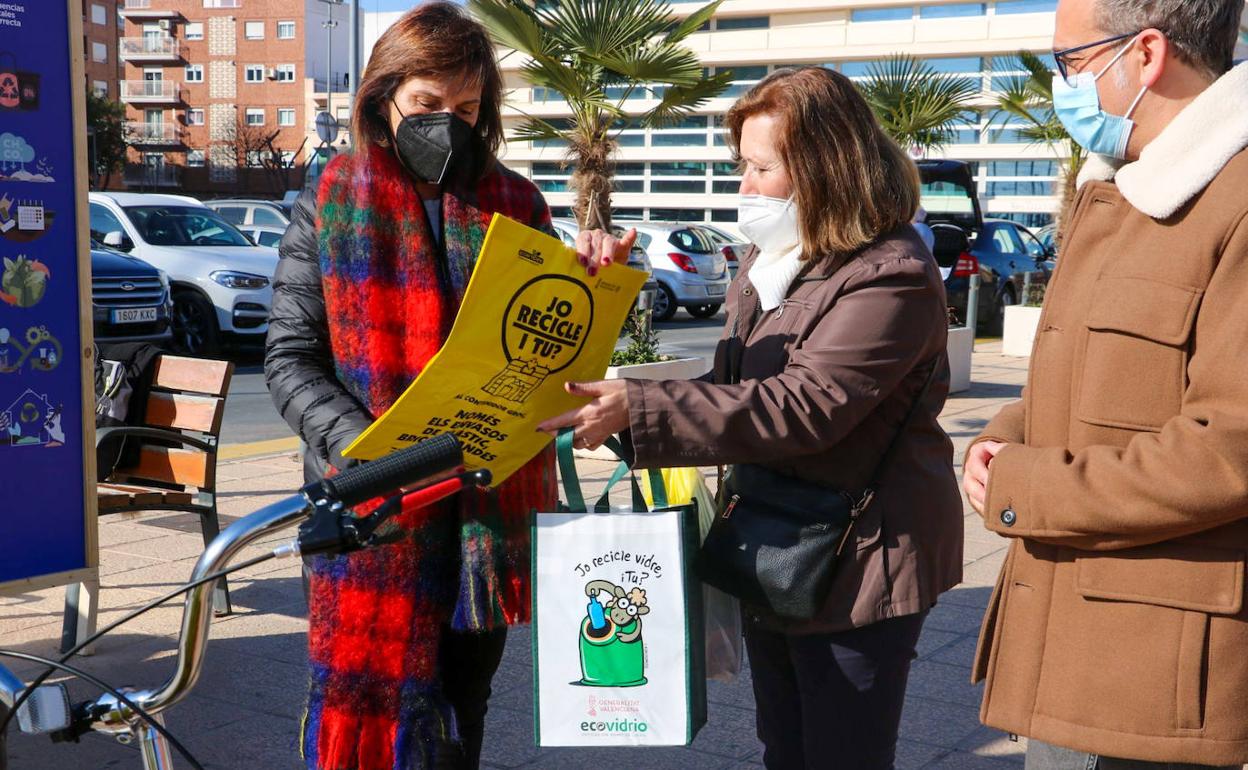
(244, 713)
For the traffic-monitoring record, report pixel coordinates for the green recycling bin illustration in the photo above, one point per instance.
(612, 653)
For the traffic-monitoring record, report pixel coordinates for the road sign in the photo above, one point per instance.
(326, 127)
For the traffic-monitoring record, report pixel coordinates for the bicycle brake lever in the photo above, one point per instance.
(379, 529)
(332, 528)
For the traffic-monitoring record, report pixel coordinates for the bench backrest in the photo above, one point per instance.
(187, 395)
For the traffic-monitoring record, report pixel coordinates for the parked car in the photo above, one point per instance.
(219, 279)
(130, 299)
(732, 247)
(1047, 236)
(637, 259)
(1015, 256)
(690, 269)
(248, 211)
(1004, 254)
(263, 235)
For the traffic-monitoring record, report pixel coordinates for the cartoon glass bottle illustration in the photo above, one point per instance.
(612, 654)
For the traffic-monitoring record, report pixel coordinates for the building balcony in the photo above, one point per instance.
(150, 48)
(142, 9)
(144, 176)
(150, 91)
(140, 133)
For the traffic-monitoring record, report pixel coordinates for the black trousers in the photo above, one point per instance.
(467, 662)
(831, 701)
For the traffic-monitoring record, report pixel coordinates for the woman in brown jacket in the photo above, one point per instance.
(842, 312)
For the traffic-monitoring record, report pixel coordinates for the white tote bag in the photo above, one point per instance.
(617, 626)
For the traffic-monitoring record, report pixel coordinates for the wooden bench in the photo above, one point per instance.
(176, 465)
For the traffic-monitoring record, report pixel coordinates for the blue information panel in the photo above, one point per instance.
(43, 519)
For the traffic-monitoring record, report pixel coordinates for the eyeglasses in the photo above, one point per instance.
(1065, 61)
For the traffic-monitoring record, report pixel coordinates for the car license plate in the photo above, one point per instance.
(134, 315)
(716, 291)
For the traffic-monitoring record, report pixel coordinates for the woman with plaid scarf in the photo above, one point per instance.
(404, 639)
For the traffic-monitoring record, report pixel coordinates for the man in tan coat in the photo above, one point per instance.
(1117, 636)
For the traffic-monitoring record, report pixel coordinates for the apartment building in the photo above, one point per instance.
(216, 89)
(685, 172)
(100, 30)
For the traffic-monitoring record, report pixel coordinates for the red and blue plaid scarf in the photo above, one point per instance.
(376, 616)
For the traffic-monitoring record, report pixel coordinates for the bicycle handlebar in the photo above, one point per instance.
(386, 474)
(431, 457)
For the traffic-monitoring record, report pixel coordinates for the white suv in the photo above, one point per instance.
(220, 280)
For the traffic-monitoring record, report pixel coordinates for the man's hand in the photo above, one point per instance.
(975, 473)
(595, 249)
(598, 420)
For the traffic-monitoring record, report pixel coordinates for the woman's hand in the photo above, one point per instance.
(596, 249)
(975, 474)
(598, 420)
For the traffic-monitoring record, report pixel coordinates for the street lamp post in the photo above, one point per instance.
(328, 25)
(353, 52)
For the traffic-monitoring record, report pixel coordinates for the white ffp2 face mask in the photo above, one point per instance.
(770, 223)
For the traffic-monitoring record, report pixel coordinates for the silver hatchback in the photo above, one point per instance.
(688, 265)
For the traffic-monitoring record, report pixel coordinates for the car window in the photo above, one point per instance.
(1033, 246)
(942, 197)
(104, 222)
(691, 240)
(269, 238)
(643, 241)
(184, 226)
(719, 237)
(265, 216)
(568, 238)
(1005, 240)
(235, 215)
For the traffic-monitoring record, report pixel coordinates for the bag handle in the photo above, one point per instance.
(621, 470)
(574, 497)
(869, 493)
(572, 494)
(658, 489)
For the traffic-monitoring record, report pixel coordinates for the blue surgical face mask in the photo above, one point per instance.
(1078, 107)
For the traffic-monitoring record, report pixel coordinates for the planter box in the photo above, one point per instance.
(678, 369)
(959, 348)
(1019, 330)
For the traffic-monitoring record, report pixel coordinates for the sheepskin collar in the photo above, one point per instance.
(1189, 153)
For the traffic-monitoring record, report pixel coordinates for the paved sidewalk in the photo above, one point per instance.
(245, 712)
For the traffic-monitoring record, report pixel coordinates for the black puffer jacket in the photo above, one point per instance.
(298, 361)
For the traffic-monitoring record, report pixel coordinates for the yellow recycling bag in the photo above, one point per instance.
(531, 320)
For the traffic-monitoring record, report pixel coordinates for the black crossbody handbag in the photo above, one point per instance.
(778, 539)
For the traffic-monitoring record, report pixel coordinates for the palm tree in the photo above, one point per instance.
(1029, 99)
(917, 106)
(597, 54)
